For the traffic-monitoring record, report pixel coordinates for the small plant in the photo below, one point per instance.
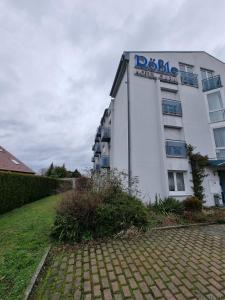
(168, 205)
(192, 204)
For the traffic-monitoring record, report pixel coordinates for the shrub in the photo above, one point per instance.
(120, 213)
(86, 215)
(83, 184)
(19, 189)
(76, 215)
(192, 204)
(168, 205)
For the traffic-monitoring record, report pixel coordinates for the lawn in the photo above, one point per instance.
(24, 237)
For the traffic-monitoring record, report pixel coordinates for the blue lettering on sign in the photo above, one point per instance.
(141, 62)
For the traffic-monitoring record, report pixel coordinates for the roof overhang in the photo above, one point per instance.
(216, 163)
(119, 74)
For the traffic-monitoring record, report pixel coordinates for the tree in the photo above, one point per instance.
(50, 170)
(76, 174)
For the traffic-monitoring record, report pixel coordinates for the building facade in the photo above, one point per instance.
(162, 101)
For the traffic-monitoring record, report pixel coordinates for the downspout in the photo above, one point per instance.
(128, 127)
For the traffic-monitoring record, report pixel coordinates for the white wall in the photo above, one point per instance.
(119, 137)
(148, 157)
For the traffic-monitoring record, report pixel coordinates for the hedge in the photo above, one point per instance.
(19, 189)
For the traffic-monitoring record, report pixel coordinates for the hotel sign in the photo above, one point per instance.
(155, 69)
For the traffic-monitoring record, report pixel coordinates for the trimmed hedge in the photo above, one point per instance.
(19, 189)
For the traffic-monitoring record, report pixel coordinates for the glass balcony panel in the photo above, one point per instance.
(106, 134)
(217, 116)
(176, 149)
(171, 107)
(220, 153)
(97, 148)
(104, 162)
(211, 83)
(190, 79)
(97, 167)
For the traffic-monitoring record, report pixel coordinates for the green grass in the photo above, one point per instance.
(24, 237)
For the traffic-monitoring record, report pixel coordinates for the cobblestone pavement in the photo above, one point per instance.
(162, 264)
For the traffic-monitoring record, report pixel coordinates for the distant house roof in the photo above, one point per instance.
(10, 163)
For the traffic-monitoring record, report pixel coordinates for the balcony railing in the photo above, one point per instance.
(217, 116)
(98, 134)
(176, 148)
(171, 107)
(104, 161)
(97, 148)
(190, 79)
(220, 153)
(97, 167)
(106, 134)
(211, 83)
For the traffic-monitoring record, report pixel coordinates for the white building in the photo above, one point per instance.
(162, 101)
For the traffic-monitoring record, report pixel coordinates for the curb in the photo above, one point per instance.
(36, 274)
(184, 226)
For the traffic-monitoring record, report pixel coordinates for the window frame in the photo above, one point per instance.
(207, 71)
(175, 181)
(222, 108)
(218, 149)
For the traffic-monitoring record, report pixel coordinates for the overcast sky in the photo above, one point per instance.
(58, 59)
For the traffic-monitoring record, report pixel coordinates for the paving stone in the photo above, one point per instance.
(173, 264)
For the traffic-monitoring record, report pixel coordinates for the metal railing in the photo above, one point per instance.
(171, 107)
(176, 148)
(106, 134)
(97, 148)
(97, 167)
(104, 161)
(217, 115)
(211, 83)
(188, 78)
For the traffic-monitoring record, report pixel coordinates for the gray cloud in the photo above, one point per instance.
(58, 60)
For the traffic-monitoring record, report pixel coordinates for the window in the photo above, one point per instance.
(216, 109)
(187, 75)
(219, 136)
(206, 73)
(176, 181)
(15, 161)
(186, 68)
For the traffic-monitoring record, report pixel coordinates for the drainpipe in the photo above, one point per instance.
(128, 127)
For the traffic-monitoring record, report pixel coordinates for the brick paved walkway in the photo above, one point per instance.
(165, 264)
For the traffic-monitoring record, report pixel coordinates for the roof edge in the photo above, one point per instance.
(119, 73)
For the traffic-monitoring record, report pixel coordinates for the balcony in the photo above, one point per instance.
(211, 83)
(106, 134)
(98, 134)
(97, 139)
(220, 153)
(190, 79)
(104, 161)
(217, 116)
(171, 107)
(97, 167)
(97, 148)
(93, 159)
(176, 149)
